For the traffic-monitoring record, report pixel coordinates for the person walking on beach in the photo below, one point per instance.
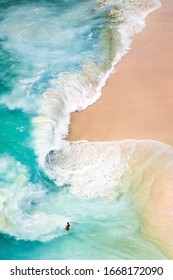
(67, 226)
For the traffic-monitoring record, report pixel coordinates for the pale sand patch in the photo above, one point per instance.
(137, 101)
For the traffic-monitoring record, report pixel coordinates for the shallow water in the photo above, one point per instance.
(55, 58)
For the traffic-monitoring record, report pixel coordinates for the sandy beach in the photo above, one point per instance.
(137, 100)
(137, 103)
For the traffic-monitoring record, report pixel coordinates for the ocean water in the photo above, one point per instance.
(56, 56)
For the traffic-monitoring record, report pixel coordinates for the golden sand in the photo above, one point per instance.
(137, 100)
(137, 103)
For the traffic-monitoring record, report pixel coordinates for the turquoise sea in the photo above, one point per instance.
(55, 57)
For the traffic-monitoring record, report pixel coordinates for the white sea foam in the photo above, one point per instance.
(103, 165)
(107, 169)
(21, 96)
(92, 170)
(42, 44)
(57, 42)
(70, 92)
(17, 216)
(75, 91)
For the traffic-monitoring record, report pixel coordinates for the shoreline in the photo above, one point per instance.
(136, 102)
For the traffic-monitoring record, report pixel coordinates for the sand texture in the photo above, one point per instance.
(137, 101)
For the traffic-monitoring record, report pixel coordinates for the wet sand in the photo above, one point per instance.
(137, 100)
(137, 103)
